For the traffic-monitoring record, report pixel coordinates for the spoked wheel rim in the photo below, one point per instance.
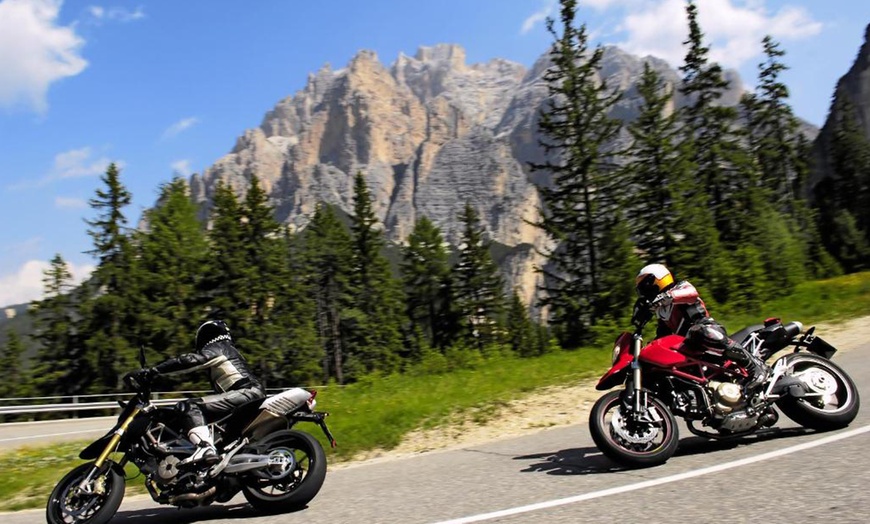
(288, 469)
(828, 390)
(73, 507)
(636, 435)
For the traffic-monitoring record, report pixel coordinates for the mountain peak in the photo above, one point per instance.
(452, 54)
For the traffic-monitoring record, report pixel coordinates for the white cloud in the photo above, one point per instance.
(25, 285)
(78, 163)
(178, 127)
(35, 52)
(75, 163)
(119, 14)
(182, 167)
(70, 203)
(733, 29)
(548, 9)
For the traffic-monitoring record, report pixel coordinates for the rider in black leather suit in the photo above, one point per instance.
(229, 374)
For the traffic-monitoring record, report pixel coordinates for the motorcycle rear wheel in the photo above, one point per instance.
(630, 443)
(835, 409)
(288, 490)
(67, 507)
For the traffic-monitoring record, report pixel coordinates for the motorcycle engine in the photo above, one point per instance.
(727, 396)
(167, 469)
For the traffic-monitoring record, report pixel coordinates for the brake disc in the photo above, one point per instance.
(620, 427)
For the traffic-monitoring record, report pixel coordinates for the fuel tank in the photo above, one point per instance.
(664, 352)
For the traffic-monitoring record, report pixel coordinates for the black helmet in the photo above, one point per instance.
(211, 331)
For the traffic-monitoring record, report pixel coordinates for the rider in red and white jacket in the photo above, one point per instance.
(680, 311)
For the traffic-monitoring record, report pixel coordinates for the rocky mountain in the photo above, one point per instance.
(855, 85)
(429, 133)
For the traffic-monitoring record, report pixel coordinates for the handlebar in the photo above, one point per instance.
(641, 314)
(143, 388)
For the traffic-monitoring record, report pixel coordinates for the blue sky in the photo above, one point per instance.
(164, 87)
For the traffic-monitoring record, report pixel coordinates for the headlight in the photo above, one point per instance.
(615, 356)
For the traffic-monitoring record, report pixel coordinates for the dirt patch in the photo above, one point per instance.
(550, 408)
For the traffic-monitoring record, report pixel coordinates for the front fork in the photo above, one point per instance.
(634, 388)
(87, 482)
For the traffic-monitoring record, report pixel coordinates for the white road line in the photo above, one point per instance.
(656, 482)
(52, 435)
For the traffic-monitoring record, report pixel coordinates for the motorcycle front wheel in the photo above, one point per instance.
(631, 440)
(831, 398)
(297, 473)
(95, 505)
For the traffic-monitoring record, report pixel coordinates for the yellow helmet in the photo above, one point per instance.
(652, 280)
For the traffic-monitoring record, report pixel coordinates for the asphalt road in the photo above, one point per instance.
(16, 434)
(785, 475)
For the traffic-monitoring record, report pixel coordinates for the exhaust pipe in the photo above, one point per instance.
(193, 497)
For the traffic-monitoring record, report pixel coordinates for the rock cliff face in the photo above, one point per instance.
(429, 133)
(855, 85)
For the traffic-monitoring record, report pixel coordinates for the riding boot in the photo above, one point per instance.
(205, 451)
(758, 370)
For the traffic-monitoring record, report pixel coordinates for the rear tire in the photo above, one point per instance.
(629, 443)
(65, 507)
(835, 409)
(277, 490)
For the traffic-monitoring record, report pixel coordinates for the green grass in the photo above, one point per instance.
(30, 473)
(379, 411)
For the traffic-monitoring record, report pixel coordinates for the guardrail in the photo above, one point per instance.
(76, 404)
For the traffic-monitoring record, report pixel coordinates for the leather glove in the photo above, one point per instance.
(143, 376)
(662, 300)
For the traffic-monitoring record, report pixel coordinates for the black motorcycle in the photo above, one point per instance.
(276, 467)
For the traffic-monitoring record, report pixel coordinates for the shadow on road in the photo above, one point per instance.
(699, 445)
(578, 461)
(171, 515)
(590, 460)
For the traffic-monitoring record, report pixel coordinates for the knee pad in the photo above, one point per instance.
(193, 412)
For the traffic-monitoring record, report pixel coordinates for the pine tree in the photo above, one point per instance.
(327, 257)
(426, 274)
(16, 381)
(294, 314)
(521, 331)
(109, 320)
(843, 197)
(61, 367)
(376, 339)
(584, 187)
(172, 257)
(709, 128)
(658, 171)
(709, 207)
(850, 162)
(619, 265)
(265, 259)
(224, 281)
(478, 293)
(773, 130)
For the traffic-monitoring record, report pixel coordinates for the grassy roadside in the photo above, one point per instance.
(377, 412)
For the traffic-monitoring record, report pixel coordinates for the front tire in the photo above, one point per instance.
(629, 442)
(66, 506)
(832, 401)
(295, 479)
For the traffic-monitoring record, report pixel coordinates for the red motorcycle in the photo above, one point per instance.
(635, 426)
